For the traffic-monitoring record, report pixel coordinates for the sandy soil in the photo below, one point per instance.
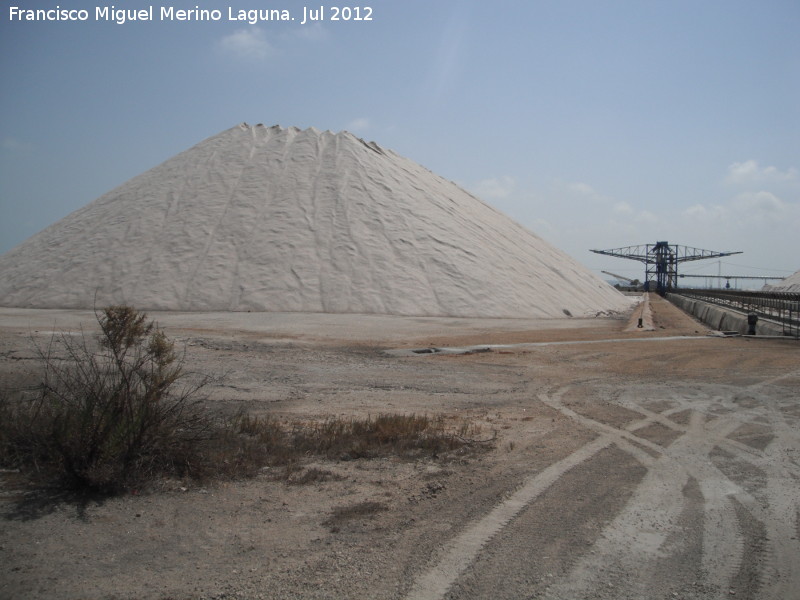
(626, 465)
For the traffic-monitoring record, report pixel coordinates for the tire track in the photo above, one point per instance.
(646, 543)
(776, 508)
(628, 556)
(781, 520)
(460, 551)
(723, 540)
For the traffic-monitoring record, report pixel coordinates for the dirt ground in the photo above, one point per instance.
(628, 464)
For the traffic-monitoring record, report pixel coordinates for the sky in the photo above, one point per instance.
(595, 124)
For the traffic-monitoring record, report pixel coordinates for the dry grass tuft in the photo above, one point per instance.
(266, 441)
(395, 434)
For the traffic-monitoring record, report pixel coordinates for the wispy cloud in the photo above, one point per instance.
(579, 191)
(713, 213)
(313, 33)
(358, 125)
(252, 44)
(750, 172)
(448, 59)
(494, 187)
(744, 211)
(583, 189)
(765, 195)
(646, 217)
(761, 204)
(247, 44)
(622, 208)
(761, 217)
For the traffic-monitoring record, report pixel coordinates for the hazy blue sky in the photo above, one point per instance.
(596, 124)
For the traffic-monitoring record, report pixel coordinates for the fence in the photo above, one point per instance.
(779, 307)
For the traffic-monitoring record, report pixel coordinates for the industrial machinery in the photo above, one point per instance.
(728, 278)
(631, 282)
(661, 261)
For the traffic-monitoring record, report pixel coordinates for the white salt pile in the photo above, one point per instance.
(790, 284)
(272, 219)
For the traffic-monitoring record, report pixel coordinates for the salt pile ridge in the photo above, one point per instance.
(790, 284)
(272, 219)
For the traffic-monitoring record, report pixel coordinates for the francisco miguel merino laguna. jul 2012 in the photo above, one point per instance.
(121, 16)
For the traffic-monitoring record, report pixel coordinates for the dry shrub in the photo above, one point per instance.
(110, 411)
(118, 410)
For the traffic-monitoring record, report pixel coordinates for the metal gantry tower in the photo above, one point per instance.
(661, 261)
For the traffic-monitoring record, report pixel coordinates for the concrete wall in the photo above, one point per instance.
(721, 319)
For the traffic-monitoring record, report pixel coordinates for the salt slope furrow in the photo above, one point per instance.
(275, 219)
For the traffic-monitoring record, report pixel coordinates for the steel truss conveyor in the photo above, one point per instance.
(780, 307)
(661, 261)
